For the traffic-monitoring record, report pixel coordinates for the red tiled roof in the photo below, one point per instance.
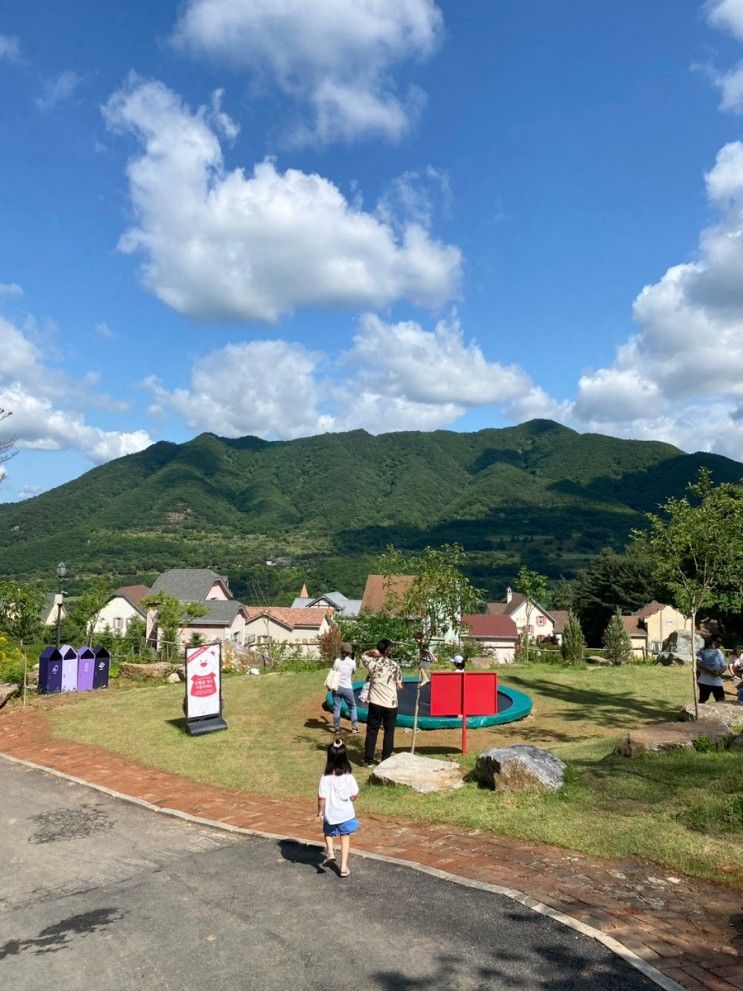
(560, 617)
(482, 625)
(505, 608)
(310, 617)
(134, 593)
(649, 609)
(384, 592)
(632, 627)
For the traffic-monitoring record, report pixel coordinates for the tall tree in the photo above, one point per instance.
(573, 644)
(20, 617)
(436, 598)
(617, 642)
(612, 582)
(83, 614)
(172, 616)
(533, 587)
(696, 544)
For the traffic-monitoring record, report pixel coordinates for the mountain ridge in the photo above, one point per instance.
(537, 492)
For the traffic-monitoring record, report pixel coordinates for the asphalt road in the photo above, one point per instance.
(96, 893)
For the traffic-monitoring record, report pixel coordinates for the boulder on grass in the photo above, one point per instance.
(158, 671)
(520, 767)
(728, 713)
(7, 691)
(598, 660)
(670, 736)
(173, 678)
(677, 648)
(422, 774)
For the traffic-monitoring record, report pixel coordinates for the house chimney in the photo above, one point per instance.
(509, 594)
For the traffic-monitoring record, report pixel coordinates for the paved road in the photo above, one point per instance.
(99, 894)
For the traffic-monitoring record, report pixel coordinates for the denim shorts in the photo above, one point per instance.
(340, 828)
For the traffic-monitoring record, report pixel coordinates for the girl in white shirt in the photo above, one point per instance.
(335, 797)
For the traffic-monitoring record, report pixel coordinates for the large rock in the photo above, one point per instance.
(730, 714)
(598, 660)
(7, 691)
(419, 773)
(677, 648)
(158, 671)
(670, 736)
(520, 767)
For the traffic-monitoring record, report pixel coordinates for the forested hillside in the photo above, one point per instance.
(538, 493)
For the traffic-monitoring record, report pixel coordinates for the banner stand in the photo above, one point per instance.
(203, 703)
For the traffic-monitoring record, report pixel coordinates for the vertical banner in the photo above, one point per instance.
(204, 689)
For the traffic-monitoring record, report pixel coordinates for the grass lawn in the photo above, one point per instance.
(683, 810)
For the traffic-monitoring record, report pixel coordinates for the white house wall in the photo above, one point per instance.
(116, 615)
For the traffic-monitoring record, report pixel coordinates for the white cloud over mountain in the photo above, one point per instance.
(35, 393)
(727, 15)
(337, 57)
(223, 245)
(395, 376)
(681, 375)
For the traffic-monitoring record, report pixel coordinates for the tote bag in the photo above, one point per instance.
(332, 680)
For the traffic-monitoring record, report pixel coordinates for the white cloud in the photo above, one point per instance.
(730, 85)
(10, 289)
(102, 329)
(726, 15)
(393, 377)
(10, 48)
(58, 90)
(681, 376)
(229, 246)
(32, 391)
(268, 388)
(335, 55)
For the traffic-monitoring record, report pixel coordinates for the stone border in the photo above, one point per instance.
(611, 944)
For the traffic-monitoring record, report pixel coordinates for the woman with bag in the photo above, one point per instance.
(340, 683)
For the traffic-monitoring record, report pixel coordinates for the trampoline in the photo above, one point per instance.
(512, 705)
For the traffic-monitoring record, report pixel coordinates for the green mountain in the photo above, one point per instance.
(538, 493)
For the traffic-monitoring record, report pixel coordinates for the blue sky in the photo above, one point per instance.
(307, 215)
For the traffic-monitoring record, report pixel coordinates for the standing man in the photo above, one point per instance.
(385, 677)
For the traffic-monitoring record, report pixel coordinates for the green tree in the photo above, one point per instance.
(696, 544)
(435, 600)
(533, 587)
(612, 582)
(562, 595)
(617, 642)
(20, 617)
(573, 644)
(84, 611)
(171, 616)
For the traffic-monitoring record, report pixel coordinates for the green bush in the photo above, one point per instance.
(11, 661)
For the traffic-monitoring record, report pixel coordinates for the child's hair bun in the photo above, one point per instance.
(338, 743)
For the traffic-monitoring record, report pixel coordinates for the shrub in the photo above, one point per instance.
(11, 662)
(617, 643)
(573, 644)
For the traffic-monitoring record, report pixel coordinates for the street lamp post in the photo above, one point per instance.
(61, 573)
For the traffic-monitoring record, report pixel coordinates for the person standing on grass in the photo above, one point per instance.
(710, 665)
(385, 677)
(345, 665)
(335, 798)
(735, 663)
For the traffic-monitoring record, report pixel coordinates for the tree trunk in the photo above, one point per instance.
(694, 662)
(25, 671)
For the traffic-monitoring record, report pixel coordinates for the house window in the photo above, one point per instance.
(540, 620)
(118, 623)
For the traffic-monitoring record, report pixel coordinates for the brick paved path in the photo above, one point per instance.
(690, 930)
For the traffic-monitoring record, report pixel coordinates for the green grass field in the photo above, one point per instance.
(682, 810)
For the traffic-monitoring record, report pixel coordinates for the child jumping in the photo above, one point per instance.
(335, 797)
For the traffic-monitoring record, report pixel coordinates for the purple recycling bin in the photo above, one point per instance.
(85, 669)
(69, 668)
(50, 671)
(102, 664)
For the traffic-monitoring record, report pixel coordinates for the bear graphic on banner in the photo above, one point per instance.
(202, 679)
